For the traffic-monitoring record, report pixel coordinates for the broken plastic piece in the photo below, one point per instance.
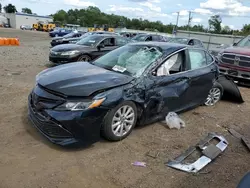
(246, 141)
(174, 121)
(141, 164)
(231, 90)
(209, 151)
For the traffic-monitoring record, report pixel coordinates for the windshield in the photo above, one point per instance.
(244, 42)
(178, 40)
(139, 37)
(91, 40)
(130, 59)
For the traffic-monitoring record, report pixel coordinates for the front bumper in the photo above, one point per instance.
(237, 73)
(66, 127)
(65, 59)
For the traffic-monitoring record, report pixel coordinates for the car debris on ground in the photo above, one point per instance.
(244, 139)
(209, 152)
(174, 121)
(140, 164)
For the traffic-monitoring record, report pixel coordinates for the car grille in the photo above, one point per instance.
(238, 60)
(44, 123)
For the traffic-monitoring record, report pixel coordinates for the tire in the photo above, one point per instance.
(214, 95)
(84, 58)
(112, 130)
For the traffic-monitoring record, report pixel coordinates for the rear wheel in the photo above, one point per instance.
(214, 95)
(85, 58)
(120, 121)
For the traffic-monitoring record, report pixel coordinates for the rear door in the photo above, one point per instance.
(202, 71)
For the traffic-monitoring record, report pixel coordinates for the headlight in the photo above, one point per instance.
(76, 106)
(70, 52)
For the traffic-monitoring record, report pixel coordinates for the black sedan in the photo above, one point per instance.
(138, 83)
(63, 40)
(188, 41)
(87, 49)
(76, 39)
(150, 37)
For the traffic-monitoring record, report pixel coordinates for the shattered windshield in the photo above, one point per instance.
(139, 37)
(130, 59)
(178, 40)
(90, 40)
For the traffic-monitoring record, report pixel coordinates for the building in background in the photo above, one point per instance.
(15, 20)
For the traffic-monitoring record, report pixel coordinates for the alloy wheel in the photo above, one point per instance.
(84, 58)
(123, 121)
(213, 96)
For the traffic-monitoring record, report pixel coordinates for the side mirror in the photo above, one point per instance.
(234, 44)
(100, 46)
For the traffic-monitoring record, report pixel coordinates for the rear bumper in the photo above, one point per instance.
(234, 72)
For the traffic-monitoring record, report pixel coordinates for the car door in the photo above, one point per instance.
(170, 85)
(202, 71)
(156, 38)
(108, 44)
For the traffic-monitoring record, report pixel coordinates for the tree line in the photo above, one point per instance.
(93, 16)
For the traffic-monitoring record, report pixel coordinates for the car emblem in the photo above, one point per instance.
(236, 60)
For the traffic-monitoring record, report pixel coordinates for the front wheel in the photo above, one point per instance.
(120, 121)
(214, 95)
(85, 58)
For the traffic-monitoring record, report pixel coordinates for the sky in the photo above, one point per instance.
(234, 13)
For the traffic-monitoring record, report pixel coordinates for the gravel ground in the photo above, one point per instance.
(27, 160)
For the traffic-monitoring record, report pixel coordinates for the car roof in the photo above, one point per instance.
(165, 46)
(189, 38)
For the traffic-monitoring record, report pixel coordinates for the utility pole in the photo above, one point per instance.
(177, 20)
(189, 21)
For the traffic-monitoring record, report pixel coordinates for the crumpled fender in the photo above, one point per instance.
(231, 90)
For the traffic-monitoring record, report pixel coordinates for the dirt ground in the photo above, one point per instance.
(28, 160)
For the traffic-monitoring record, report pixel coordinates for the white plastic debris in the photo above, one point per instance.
(174, 121)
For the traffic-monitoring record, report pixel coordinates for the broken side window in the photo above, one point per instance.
(197, 59)
(171, 66)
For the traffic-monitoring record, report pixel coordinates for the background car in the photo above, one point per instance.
(188, 41)
(234, 61)
(86, 49)
(133, 84)
(59, 32)
(76, 39)
(60, 40)
(25, 27)
(149, 37)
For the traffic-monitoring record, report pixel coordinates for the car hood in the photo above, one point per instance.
(80, 79)
(72, 39)
(69, 47)
(238, 50)
(57, 38)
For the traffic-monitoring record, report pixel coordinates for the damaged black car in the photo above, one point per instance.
(135, 84)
